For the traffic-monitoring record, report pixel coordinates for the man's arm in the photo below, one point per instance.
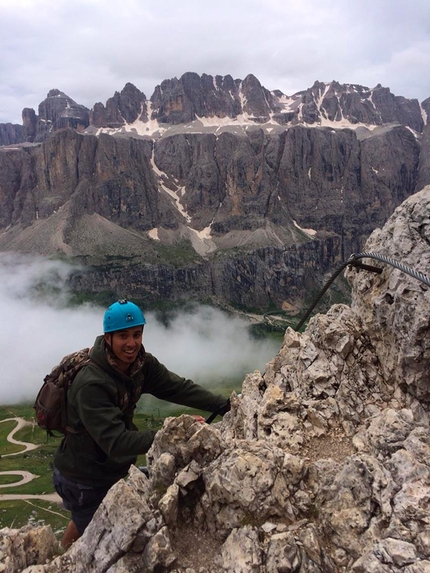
(167, 385)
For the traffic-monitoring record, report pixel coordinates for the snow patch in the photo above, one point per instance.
(153, 234)
(310, 232)
(205, 233)
(320, 101)
(424, 115)
(180, 191)
(414, 133)
(373, 103)
(243, 100)
(343, 124)
(286, 101)
(202, 241)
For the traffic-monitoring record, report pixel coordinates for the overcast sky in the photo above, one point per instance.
(207, 345)
(91, 48)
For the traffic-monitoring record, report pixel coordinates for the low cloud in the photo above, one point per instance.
(208, 345)
(39, 328)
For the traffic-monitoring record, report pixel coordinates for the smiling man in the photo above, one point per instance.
(103, 441)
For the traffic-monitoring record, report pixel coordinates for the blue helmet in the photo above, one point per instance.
(121, 315)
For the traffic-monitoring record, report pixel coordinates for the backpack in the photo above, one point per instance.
(51, 401)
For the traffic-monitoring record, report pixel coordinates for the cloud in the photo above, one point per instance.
(208, 344)
(90, 48)
(39, 328)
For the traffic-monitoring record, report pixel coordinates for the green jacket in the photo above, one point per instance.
(101, 403)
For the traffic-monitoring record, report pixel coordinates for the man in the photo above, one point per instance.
(103, 441)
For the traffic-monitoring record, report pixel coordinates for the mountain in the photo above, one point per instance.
(322, 465)
(57, 111)
(218, 102)
(214, 189)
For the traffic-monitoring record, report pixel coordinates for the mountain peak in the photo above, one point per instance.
(56, 93)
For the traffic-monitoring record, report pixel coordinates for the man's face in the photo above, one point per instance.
(125, 345)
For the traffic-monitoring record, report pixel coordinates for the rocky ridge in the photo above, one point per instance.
(214, 189)
(253, 220)
(321, 466)
(216, 103)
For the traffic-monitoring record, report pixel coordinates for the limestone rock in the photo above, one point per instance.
(124, 107)
(29, 546)
(246, 220)
(394, 306)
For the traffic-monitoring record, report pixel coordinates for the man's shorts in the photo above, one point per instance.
(81, 500)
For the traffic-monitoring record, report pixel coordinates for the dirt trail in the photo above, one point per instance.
(25, 476)
(20, 424)
(44, 496)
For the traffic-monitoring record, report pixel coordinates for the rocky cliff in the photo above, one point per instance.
(321, 466)
(252, 219)
(214, 189)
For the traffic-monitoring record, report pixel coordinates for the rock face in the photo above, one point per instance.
(214, 188)
(250, 219)
(11, 133)
(192, 96)
(124, 107)
(393, 315)
(321, 466)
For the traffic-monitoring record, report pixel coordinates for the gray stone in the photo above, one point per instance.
(27, 547)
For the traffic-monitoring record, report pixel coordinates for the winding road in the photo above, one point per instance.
(25, 477)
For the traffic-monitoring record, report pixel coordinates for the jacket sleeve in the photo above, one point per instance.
(167, 385)
(104, 421)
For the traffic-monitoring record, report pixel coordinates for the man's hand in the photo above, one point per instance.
(220, 412)
(224, 408)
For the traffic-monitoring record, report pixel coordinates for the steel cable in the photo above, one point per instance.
(404, 268)
(354, 261)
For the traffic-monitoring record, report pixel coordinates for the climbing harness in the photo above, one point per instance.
(354, 261)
